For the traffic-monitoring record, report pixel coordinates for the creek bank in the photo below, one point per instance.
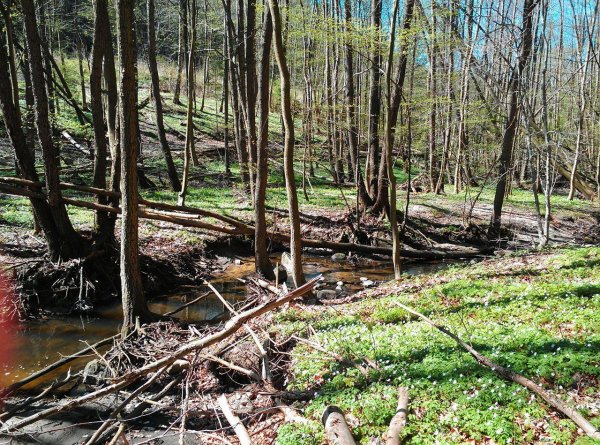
(354, 352)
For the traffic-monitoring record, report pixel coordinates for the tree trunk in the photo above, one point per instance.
(512, 120)
(158, 110)
(72, 245)
(389, 144)
(24, 158)
(226, 101)
(132, 292)
(80, 57)
(261, 256)
(374, 100)
(238, 121)
(251, 85)
(189, 130)
(382, 183)
(182, 50)
(362, 195)
(104, 228)
(432, 83)
(288, 151)
(112, 98)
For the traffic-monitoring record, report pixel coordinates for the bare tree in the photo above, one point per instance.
(288, 153)
(132, 292)
(512, 120)
(261, 256)
(158, 110)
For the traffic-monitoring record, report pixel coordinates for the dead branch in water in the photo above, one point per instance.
(230, 328)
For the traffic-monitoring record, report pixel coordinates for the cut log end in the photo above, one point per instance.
(337, 431)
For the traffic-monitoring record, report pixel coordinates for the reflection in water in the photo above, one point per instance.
(40, 343)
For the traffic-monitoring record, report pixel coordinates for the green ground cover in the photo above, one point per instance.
(538, 314)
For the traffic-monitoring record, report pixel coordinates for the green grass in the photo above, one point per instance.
(538, 315)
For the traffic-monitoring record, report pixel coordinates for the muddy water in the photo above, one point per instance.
(37, 344)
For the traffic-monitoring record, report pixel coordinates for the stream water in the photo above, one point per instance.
(37, 344)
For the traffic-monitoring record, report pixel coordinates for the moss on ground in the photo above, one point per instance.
(538, 314)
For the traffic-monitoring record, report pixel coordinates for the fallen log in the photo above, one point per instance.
(186, 222)
(337, 431)
(398, 422)
(112, 194)
(10, 190)
(230, 328)
(579, 183)
(76, 144)
(508, 374)
(241, 228)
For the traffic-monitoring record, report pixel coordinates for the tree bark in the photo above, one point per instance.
(261, 256)
(398, 422)
(251, 85)
(24, 158)
(158, 110)
(363, 196)
(512, 121)
(72, 245)
(189, 131)
(132, 292)
(182, 50)
(104, 226)
(374, 100)
(389, 144)
(337, 431)
(288, 153)
(382, 201)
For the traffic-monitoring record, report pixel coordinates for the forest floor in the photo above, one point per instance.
(536, 313)
(174, 255)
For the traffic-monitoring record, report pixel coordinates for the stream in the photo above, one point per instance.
(39, 343)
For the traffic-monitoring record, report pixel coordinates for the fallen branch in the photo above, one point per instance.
(76, 144)
(337, 431)
(235, 422)
(398, 422)
(337, 357)
(240, 228)
(29, 400)
(57, 364)
(113, 416)
(247, 372)
(508, 374)
(230, 328)
(188, 304)
(291, 415)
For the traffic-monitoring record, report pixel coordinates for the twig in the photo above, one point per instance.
(248, 372)
(122, 405)
(189, 303)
